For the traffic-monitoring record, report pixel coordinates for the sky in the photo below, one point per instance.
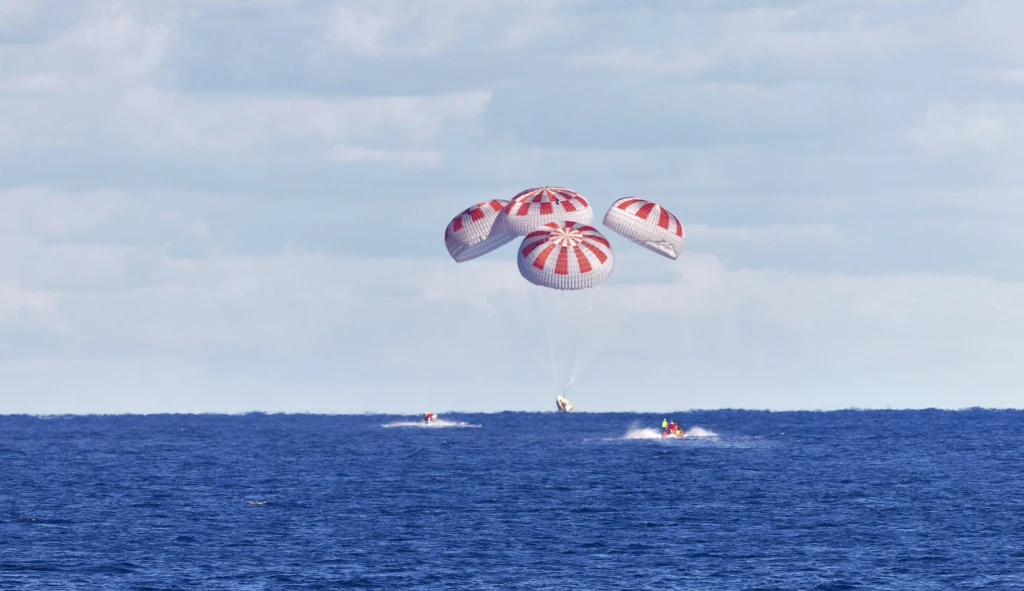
(228, 206)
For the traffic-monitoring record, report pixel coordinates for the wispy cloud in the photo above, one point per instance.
(804, 234)
(357, 154)
(948, 129)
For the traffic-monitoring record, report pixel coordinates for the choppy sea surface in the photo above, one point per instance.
(751, 500)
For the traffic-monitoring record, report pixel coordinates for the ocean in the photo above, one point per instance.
(750, 500)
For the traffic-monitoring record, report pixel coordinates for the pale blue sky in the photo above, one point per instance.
(217, 205)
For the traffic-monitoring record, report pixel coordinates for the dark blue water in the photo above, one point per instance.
(842, 500)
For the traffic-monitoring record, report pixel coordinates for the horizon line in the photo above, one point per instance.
(508, 411)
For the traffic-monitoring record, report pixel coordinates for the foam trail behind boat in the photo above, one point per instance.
(437, 424)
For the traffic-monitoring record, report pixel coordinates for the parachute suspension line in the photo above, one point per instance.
(581, 311)
(611, 326)
(563, 274)
(582, 358)
(529, 325)
(555, 369)
(574, 325)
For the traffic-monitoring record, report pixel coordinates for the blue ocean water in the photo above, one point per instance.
(808, 500)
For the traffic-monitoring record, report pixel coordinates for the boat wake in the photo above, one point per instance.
(698, 432)
(651, 433)
(438, 424)
(642, 433)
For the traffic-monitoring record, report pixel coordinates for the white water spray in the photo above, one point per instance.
(436, 424)
(637, 432)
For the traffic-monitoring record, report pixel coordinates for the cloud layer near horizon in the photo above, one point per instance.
(217, 206)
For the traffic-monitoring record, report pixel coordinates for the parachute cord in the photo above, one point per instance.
(583, 352)
(551, 350)
(549, 369)
(611, 319)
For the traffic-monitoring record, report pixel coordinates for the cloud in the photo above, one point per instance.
(42, 213)
(626, 58)
(770, 234)
(758, 44)
(116, 90)
(245, 331)
(152, 124)
(1009, 76)
(213, 318)
(948, 129)
(175, 121)
(410, 29)
(13, 10)
(33, 85)
(118, 45)
(110, 46)
(362, 33)
(223, 205)
(1001, 200)
(357, 154)
(398, 27)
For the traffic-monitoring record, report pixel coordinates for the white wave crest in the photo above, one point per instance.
(438, 424)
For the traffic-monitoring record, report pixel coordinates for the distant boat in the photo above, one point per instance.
(563, 404)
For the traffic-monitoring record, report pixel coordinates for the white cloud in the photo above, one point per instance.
(215, 323)
(104, 89)
(950, 129)
(779, 130)
(112, 48)
(785, 34)
(1009, 76)
(429, 158)
(27, 311)
(531, 20)
(116, 45)
(766, 234)
(11, 10)
(1001, 200)
(411, 28)
(164, 121)
(29, 218)
(400, 27)
(363, 33)
(625, 58)
(777, 41)
(39, 212)
(36, 84)
(991, 26)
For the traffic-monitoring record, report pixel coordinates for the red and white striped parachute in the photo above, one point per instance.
(647, 224)
(566, 255)
(533, 208)
(473, 233)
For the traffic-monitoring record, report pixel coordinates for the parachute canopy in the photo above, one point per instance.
(567, 255)
(647, 224)
(473, 233)
(533, 208)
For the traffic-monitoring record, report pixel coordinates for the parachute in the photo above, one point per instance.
(472, 233)
(533, 208)
(565, 256)
(560, 259)
(647, 224)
